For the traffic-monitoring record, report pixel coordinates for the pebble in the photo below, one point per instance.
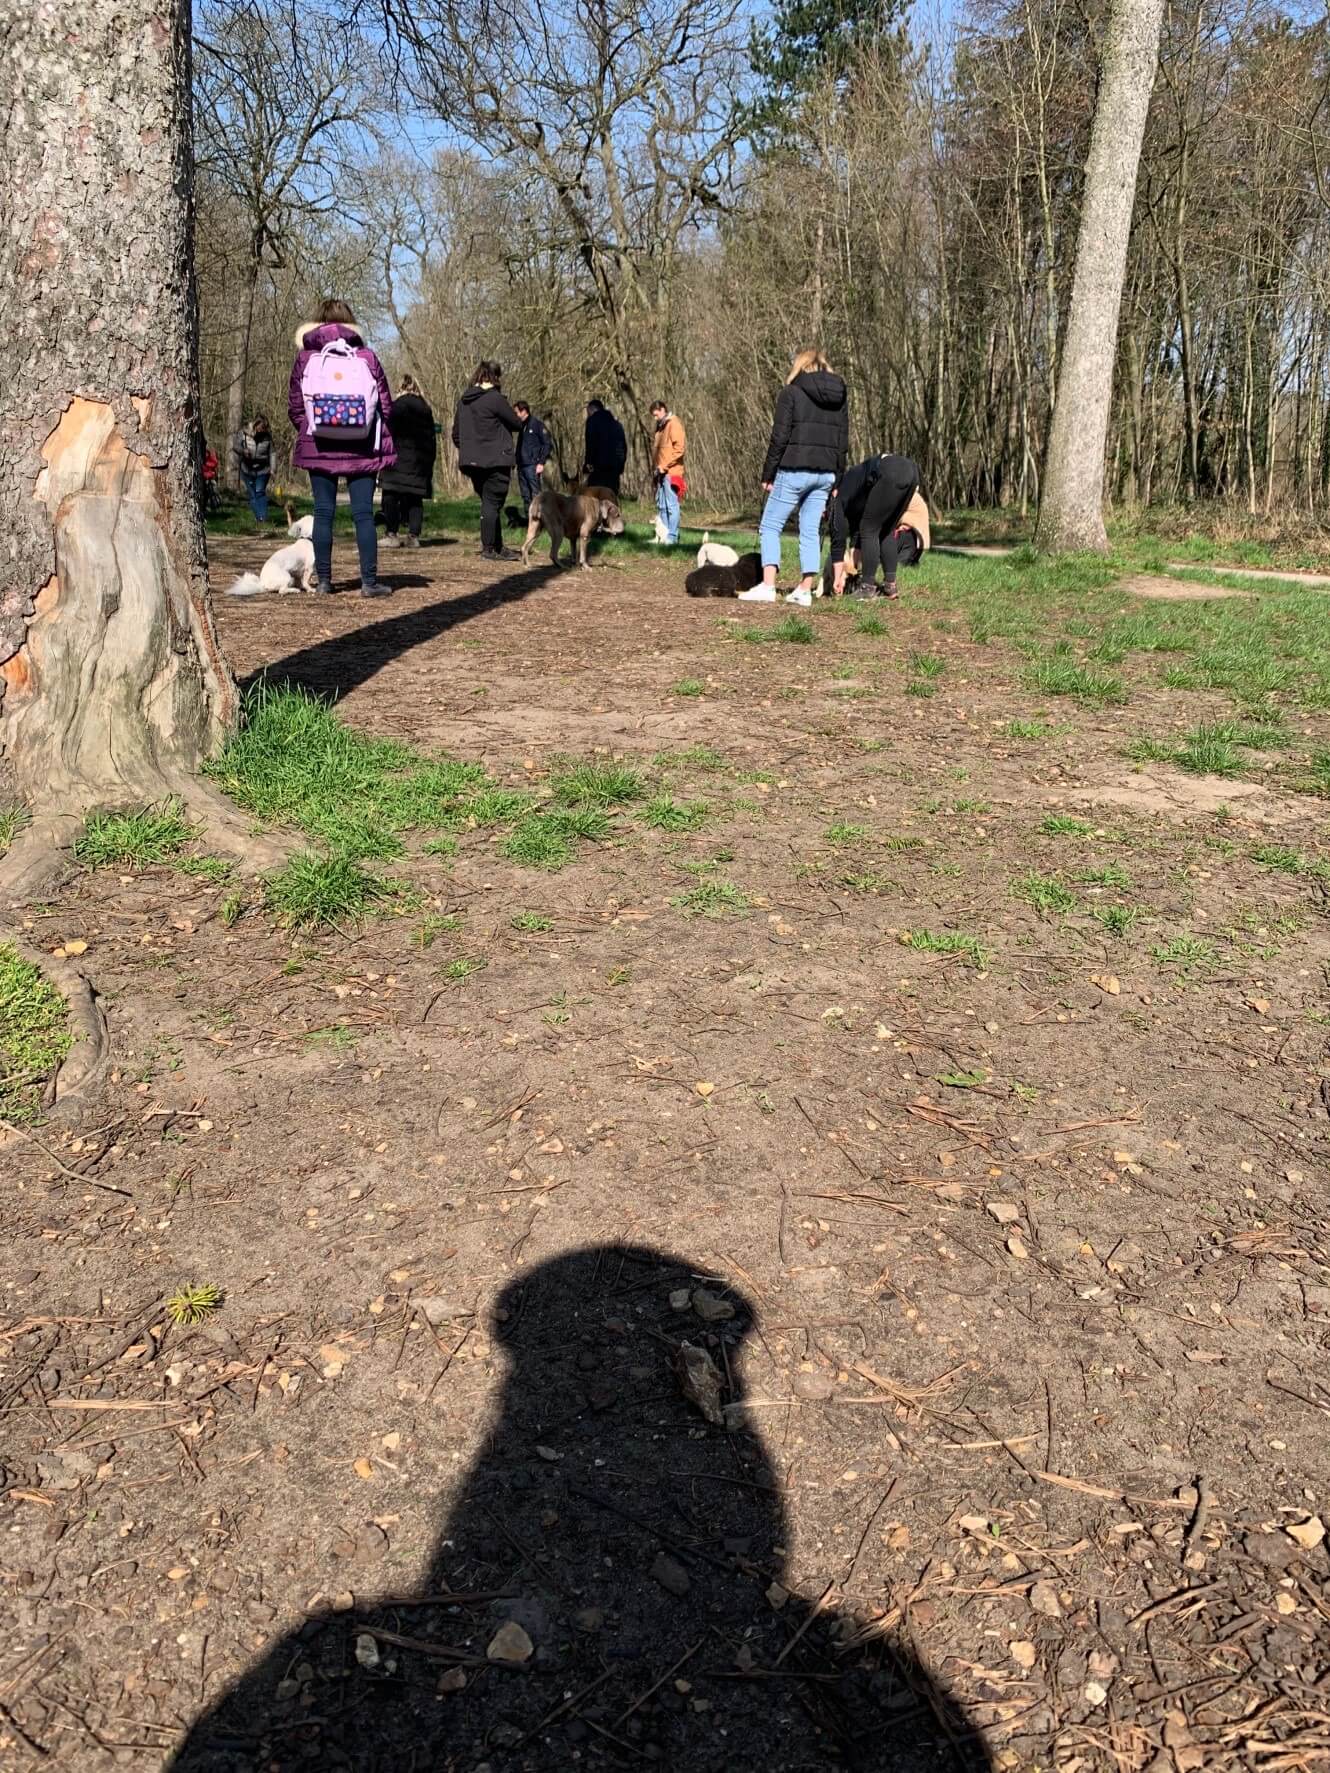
(710, 1307)
(439, 1309)
(452, 1680)
(589, 1619)
(672, 1576)
(1003, 1211)
(510, 1643)
(1044, 1599)
(367, 1651)
(371, 1541)
(680, 1299)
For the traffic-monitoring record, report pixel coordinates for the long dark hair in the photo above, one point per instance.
(487, 370)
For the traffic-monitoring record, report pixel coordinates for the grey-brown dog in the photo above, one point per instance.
(576, 515)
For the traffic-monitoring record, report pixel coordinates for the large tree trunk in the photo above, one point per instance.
(113, 688)
(1071, 515)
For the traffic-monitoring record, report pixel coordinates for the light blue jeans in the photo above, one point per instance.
(667, 503)
(796, 489)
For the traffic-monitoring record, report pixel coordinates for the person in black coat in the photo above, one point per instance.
(485, 430)
(867, 509)
(410, 481)
(534, 447)
(606, 448)
(810, 440)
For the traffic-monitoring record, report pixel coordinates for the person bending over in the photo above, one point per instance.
(867, 509)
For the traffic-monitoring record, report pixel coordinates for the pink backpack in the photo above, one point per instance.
(341, 397)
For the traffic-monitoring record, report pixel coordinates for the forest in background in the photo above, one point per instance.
(667, 199)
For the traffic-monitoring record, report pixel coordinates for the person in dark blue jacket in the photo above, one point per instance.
(534, 447)
(606, 448)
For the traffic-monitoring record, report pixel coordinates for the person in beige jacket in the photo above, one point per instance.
(668, 447)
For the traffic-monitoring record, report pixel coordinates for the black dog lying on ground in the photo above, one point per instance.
(725, 581)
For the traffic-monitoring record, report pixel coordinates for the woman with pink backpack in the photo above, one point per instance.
(340, 405)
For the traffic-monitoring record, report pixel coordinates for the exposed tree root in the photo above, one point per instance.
(83, 1071)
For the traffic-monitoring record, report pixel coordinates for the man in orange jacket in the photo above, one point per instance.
(667, 450)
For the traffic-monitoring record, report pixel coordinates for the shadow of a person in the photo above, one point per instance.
(625, 1553)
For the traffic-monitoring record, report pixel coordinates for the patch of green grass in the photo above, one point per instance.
(12, 821)
(920, 686)
(133, 840)
(464, 966)
(867, 621)
(690, 686)
(1108, 874)
(665, 813)
(311, 890)
(529, 922)
(868, 882)
(440, 846)
(949, 942)
(1027, 729)
(1211, 749)
(895, 841)
(1118, 920)
(193, 1304)
(1186, 954)
(210, 868)
(434, 927)
(546, 840)
(592, 784)
(711, 898)
(492, 805)
(694, 757)
(1279, 859)
(1317, 780)
(962, 1080)
(969, 806)
(1057, 675)
(34, 1036)
(1046, 893)
(336, 1035)
(844, 834)
(927, 665)
(1063, 825)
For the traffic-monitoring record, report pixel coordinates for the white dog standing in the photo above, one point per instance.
(716, 553)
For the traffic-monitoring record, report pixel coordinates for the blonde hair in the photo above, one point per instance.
(804, 362)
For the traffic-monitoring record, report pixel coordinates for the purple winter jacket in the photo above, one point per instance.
(321, 457)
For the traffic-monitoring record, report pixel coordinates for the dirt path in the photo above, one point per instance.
(1009, 1260)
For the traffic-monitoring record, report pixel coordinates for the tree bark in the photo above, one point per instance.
(1071, 515)
(113, 687)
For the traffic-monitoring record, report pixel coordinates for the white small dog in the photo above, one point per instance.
(662, 535)
(716, 553)
(289, 569)
(301, 529)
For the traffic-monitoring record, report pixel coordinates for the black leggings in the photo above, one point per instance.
(491, 486)
(896, 486)
(399, 505)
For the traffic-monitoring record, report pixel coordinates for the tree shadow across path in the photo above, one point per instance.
(343, 662)
(629, 1552)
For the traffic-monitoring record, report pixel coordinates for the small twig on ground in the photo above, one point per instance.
(74, 1175)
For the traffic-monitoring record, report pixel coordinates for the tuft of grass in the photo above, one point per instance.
(336, 1035)
(1186, 954)
(311, 890)
(1109, 874)
(948, 942)
(690, 686)
(193, 1304)
(1056, 675)
(667, 814)
(1027, 729)
(711, 898)
(694, 757)
(927, 665)
(591, 784)
(843, 834)
(898, 843)
(34, 1035)
(794, 631)
(464, 966)
(434, 927)
(12, 821)
(868, 882)
(867, 621)
(546, 840)
(440, 846)
(1279, 859)
(1044, 892)
(531, 921)
(492, 805)
(920, 686)
(1063, 825)
(133, 840)
(210, 868)
(1118, 920)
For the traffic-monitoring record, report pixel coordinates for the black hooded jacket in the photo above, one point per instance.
(811, 430)
(485, 429)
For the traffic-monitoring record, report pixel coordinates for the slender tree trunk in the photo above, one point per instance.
(1071, 515)
(239, 385)
(113, 685)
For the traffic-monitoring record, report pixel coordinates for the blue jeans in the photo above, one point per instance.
(528, 481)
(667, 503)
(360, 487)
(795, 489)
(255, 484)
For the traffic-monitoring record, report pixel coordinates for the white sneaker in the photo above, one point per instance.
(759, 594)
(803, 598)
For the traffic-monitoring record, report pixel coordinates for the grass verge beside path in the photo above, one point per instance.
(34, 1036)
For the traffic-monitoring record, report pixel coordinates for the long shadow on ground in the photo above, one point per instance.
(626, 1549)
(343, 662)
